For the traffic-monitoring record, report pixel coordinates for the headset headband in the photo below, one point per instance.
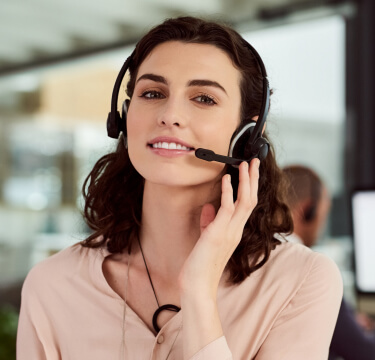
(116, 89)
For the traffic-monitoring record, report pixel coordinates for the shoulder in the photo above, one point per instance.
(59, 268)
(302, 270)
(302, 291)
(295, 287)
(293, 256)
(290, 267)
(297, 280)
(293, 266)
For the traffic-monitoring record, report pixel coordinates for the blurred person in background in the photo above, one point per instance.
(309, 202)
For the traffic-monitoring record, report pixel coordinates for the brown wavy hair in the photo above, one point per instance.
(113, 190)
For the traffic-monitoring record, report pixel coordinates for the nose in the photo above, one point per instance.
(172, 114)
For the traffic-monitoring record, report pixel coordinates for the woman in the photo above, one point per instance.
(172, 231)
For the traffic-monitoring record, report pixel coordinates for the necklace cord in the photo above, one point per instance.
(169, 307)
(148, 273)
(123, 340)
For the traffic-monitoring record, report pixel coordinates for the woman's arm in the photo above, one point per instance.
(202, 271)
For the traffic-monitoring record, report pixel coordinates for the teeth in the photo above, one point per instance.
(169, 146)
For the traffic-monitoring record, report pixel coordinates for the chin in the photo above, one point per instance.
(179, 177)
(192, 172)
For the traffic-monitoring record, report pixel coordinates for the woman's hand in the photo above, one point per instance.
(200, 276)
(220, 234)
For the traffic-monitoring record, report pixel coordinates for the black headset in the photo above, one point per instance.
(309, 213)
(247, 142)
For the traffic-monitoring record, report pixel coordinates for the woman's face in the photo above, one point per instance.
(186, 96)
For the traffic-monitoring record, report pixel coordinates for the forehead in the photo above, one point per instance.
(191, 61)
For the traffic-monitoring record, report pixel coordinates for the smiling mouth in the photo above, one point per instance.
(170, 146)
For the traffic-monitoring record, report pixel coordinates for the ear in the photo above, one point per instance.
(299, 210)
(308, 211)
(127, 104)
(255, 118)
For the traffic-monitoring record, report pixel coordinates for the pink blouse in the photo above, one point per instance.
(285, 310)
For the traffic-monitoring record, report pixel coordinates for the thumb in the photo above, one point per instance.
(207, 216)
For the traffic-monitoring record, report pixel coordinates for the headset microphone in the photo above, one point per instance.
(209, 155)
(256, 149)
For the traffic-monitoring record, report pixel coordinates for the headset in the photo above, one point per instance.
(247, 143)
(309, 213)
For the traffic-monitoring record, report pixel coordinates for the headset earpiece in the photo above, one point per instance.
(311, 208)
(114, 124)
(240, 140)
(242, 148)
(124, 114)
(309, 213)
(257, 150)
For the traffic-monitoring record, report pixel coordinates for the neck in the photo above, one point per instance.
(171, 223)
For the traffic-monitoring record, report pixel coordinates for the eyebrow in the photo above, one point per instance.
(162, 79)
(206, 83)
(153, 77)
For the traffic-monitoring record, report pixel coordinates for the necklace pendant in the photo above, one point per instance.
(169, 307)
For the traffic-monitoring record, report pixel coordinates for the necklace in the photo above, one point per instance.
(123, 341)
(169, 307)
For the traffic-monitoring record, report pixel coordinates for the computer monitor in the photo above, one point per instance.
(363, 221)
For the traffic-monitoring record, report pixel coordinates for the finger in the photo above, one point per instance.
(207, 216)
(254, 181)
(243, 193)
(227, 206)
(247, 192)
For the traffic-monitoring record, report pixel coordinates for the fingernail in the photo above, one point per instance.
(258, 163)
(228, 178)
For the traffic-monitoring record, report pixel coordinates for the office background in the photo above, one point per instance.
(58, 63)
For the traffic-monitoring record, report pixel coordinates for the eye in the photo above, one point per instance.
(152, 94)
(205, 99)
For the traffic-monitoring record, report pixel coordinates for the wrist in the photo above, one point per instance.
(198, 299)
(201, 322)
(198, 286)
(197, 292)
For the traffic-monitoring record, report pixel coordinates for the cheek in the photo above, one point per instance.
(131, 124)
(219, 137)
(136, 124)
(135, 139)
